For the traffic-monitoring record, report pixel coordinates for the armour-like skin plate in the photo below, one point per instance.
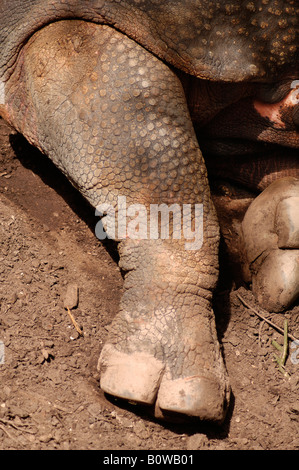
(218, 40)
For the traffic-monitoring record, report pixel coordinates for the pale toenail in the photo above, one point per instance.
(135, 376)
(199, 396)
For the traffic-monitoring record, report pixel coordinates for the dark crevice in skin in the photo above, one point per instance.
(243, 160)
(296, 115)
(254, 171)
(275, 91)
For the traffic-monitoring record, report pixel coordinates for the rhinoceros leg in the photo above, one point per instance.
(115, 120)
(271, 235)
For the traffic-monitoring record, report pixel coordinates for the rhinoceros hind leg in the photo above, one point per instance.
(114, 118)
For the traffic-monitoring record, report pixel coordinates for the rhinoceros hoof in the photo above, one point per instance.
(271, 234)
(197, 388)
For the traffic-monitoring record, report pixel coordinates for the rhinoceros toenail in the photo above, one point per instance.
(202, 396)
(134, 377)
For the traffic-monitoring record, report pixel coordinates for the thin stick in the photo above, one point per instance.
(276, 345)
(74, 322)
(281, 368)
(285, 344)
(284, 350)
(265, 319)
(18, 428)
(5, 430)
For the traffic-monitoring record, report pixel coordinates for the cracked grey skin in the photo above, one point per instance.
(122, 95)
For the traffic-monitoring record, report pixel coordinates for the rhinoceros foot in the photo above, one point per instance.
(140, 377)
(271, 234)
(163, 352)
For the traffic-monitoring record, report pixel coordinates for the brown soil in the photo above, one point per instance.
(49, 394)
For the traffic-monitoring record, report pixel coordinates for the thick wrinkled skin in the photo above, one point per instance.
(123, 96)
(224, 40)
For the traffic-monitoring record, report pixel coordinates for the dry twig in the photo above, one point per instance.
(283, 349)
(80, 332)
(262, 317)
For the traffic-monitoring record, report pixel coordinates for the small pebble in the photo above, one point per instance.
(197, 442)
(71, 298)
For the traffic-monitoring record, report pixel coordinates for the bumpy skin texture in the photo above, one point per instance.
(223, 40)
(126, 131)
(93, 92)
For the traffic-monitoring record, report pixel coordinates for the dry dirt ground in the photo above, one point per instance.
(49, 393)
